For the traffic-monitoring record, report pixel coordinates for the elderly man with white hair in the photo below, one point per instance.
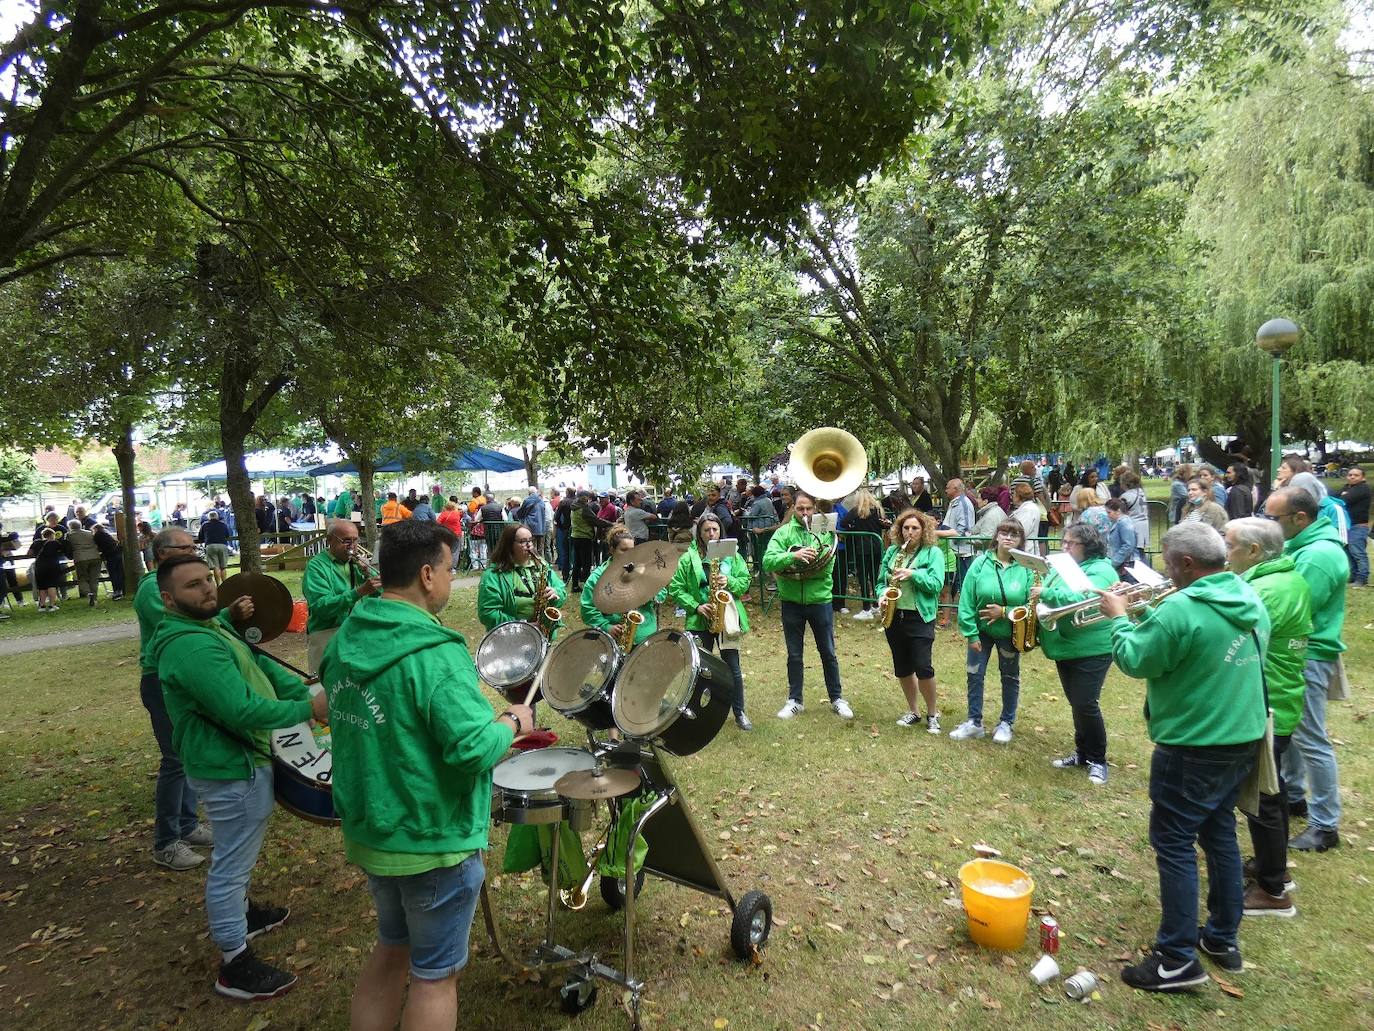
(1200, 652)
(1254, 551)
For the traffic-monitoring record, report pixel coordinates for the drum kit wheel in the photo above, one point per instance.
(666, 696)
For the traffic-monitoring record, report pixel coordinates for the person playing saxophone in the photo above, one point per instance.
(509, 587)
(993, 586)
(644, 619)
(914, 566)
(332, 584)
(692, 589)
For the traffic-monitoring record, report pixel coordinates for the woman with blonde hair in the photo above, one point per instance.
(865, 520)
(1087, 508)
(915, 565)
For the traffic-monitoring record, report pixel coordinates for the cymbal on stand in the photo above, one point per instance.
(634, 577)
(597, 783)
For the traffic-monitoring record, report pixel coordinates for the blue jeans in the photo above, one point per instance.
(961, 564)
(431, 914)
(1193, 802)
(1008, 664)
(1357, 542)
(1309, 765)
(565, 559)
(821, 618)
(174, 805)
(238, 811)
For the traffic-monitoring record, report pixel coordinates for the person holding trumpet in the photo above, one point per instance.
(334, 580)
(692, 590)
(619, 540)
(1082, 653)
(913, 567)
(509, 588)
(993, 587)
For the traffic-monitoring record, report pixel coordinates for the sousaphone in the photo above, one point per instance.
(827, 463)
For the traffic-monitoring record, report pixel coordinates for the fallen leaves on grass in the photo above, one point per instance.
(1227, 987)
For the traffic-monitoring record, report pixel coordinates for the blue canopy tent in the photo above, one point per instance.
(476, 459)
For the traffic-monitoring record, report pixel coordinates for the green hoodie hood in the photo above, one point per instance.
(1289, 603)
(382, 632)
(1321, 558)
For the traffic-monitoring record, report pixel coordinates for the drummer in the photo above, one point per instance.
(618, 541)
(414, 744)
(506, 590)
(690, 590)
(332, 585)
(223, 701)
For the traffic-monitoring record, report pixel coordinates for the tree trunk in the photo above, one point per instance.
(240, 489)
(531, 456)
(367, 477)
(128, 524)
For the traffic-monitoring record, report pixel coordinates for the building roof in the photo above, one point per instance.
(53, 463)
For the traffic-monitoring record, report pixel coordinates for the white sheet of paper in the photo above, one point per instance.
(1070, 572)
(1145, 575)
(823, 522)
(727, 547)
(1031, 561)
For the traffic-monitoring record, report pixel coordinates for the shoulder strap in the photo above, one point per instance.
(1264, 681)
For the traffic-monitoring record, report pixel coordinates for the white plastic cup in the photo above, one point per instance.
(1045, 970)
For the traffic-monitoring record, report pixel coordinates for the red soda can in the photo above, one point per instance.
(1049, 935)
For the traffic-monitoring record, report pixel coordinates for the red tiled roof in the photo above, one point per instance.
(53, 462)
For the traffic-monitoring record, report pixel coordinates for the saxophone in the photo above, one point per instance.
(1025, 625)
(546, 617)
(719, 598)
(892, 593)
(626, 630)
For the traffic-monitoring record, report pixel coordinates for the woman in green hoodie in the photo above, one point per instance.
(618, 541)
(915, 565)
(1081, 654)
(506, 590)
(993, 585)
(690, 590)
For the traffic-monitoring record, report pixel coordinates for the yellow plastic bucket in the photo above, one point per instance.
(997, 899)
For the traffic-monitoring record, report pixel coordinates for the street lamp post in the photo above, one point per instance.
(1274, 338)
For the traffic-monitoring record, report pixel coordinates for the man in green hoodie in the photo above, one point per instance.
(1254, 551)
(223, 702)
(414, 744)
(806, 599)
(1315, 547)
(332, 585)
(1201, 653)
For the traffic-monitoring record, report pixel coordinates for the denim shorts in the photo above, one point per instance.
(431, 913)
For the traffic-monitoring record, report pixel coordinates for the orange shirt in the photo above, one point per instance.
(394, 512)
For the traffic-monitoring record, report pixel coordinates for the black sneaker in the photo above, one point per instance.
(262, 919)
(1298, 809)
(1155, 973)
(1225, 956)
(1314, 839)
(248, 979)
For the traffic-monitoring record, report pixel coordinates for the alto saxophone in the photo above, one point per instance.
(546, 617)
(1025, 624)
(720, 599)
(627, 629)
(892, 593)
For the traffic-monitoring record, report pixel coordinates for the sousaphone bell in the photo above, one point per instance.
(827, 463)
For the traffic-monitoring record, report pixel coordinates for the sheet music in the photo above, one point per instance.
(1031, 561)
(823, 522)
(1144, 574)
(1070, 572)
(726, 547)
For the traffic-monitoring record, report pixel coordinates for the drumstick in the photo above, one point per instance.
(534, 688)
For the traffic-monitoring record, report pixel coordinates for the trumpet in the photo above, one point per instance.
(362, 560)
(1139, 597)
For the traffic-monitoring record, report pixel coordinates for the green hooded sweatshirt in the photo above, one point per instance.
(921, 590)
(1288, 601)
(688, 586)
(1067, 641)
(502, 597)
(330, 590)
(149, 609)
(414, 739)
(988, 582)
(1321, 560)
(1198, 654)
(206, 671)
(816, 589)
(598, 620)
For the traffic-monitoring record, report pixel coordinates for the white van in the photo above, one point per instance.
(143, 500)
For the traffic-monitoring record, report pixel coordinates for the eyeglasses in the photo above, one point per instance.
(524, 540)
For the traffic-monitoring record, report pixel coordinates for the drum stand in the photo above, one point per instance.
(677, 852)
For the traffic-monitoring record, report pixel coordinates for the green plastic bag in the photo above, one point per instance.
(612, 861)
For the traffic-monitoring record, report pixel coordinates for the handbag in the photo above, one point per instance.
(1263, 778)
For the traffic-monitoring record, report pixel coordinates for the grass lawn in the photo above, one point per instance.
(855, 830)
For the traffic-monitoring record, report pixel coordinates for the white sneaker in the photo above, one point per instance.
(790, 709)
(1002, 735)
(909, 720)
(933, 723)
(842, 709)
(967, 729)
(1097, 773)
(844, 610)
(866, 615)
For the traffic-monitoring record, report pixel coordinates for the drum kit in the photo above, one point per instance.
(666, 695)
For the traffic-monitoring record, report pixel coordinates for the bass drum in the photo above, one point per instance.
(672, 692)
(579, 675)
(509, 657)
(302, 768)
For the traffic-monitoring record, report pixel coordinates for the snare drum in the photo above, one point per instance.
(302, 768)
(579, 675)
(509, 657)
(673, 692)
(523, 786)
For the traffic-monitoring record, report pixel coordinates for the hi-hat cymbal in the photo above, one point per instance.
(597, 783)
(271, 605)
(635, 576)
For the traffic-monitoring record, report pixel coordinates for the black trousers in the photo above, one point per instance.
(583, 549)
(1269, 830)
(1082, 681)
(708, 641)
(9, 583)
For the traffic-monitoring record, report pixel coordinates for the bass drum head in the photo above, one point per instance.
(538, 770)
(579, 669)
(655, 683)
(510, 654)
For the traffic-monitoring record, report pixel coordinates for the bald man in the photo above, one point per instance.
(332, 586)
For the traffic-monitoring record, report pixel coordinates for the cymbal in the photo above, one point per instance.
(271, 605)
(635, 576)
(597, 783)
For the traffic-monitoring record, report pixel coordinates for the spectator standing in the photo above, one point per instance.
(48, 571)
(86, 556)
(562, 525)
(155, 517)
(1137, 509)
(393, 511)
(1027, 510)
(452, 520)
(1201, 508)
(531, 513)
(1120, 537)
(958, 522)
(636, 519)
(1240, 491)
(1178, 492)
(666, 505)
(113, 555)
(1355, 494)
(920, 495)
(214, 535)
(9, 579)
(423, 511)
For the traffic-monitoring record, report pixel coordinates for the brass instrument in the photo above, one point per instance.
(626, 639)
(719, 598)
(363, 561)
(1025, 624)
(1139, 597)
(827, 463)
(892, 593)
(546, 617)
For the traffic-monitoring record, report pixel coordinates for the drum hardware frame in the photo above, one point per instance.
(677, 852)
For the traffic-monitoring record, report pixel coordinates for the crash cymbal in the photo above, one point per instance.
(271, 605)
(600, 782)
(635, 576)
